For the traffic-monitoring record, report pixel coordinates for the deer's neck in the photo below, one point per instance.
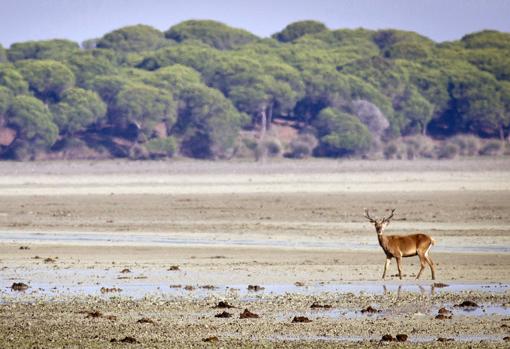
(383, 242)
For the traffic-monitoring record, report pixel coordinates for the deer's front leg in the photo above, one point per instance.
(399, 266)
(386, 265)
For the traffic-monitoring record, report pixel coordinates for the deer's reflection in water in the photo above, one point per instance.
(424, 290)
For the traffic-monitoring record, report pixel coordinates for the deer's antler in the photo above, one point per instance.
(390, 216)
(367, 216)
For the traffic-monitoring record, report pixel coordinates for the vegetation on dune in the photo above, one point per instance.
(135, 38)
(215, 34)
(206, 90)
(298, 29)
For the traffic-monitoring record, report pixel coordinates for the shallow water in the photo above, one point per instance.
(152, 239)
(138, 288)
(345, 313)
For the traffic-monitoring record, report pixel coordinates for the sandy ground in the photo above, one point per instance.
(294, 228)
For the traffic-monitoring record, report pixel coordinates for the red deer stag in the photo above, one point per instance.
(398, 246)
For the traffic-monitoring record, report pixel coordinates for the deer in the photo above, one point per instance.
(399, 246)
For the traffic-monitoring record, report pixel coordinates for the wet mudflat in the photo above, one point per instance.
(164, 320)
(115, 264)
(94, 296)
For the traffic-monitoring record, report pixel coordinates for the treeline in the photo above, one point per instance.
(205, 90)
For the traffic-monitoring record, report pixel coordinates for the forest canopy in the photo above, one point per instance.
(203, 89)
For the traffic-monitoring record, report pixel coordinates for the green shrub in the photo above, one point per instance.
(274, 147)
(491, 148)
(507, 149)
(270, 147)
(469, 145)
(162, 147)
(250, 143)
(302, 147)
(138, 152)
(447, 150)
(246, 146)
(393, 150)
(299, 150)
(419, 146)
(341, 133)
(21, 150)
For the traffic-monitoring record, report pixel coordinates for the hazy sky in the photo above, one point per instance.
(22, 20)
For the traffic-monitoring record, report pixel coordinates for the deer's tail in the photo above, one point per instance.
(432, 241)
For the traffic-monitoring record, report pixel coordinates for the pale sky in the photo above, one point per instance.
(78, 20)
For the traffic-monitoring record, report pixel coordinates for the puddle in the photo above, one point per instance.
(138, 287)
(345, 313)
(153, 239)
(460, 338)
(483, 310)
(283, 338)
(333, 313)
(377, 288)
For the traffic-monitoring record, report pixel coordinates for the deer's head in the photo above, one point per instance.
(379, 224)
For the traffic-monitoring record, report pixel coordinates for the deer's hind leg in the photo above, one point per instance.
(430, 263)
(432, 267)
(423, 263)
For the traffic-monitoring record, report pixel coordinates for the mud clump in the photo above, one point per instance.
(173, 268)
(316, 305)
(370, 310)
(246, 314)
(110, 290)
(467, 304)
(126, 270)
(212, 339)
(208, 287)
(443, 339)
(300, 319)
(402, 337)
(299, 284)
(145, 320)
(93, 314)
(255, 288)
(49, 260)
(127, 339)
(223, 315)
(444, 311)
(388, 338)
(24, 248)
(439, 285)
(189, 288)
(175, 286)
(19, 286)
(223, 305)
(506, 339)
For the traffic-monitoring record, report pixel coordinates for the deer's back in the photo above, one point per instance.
(408, 245)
